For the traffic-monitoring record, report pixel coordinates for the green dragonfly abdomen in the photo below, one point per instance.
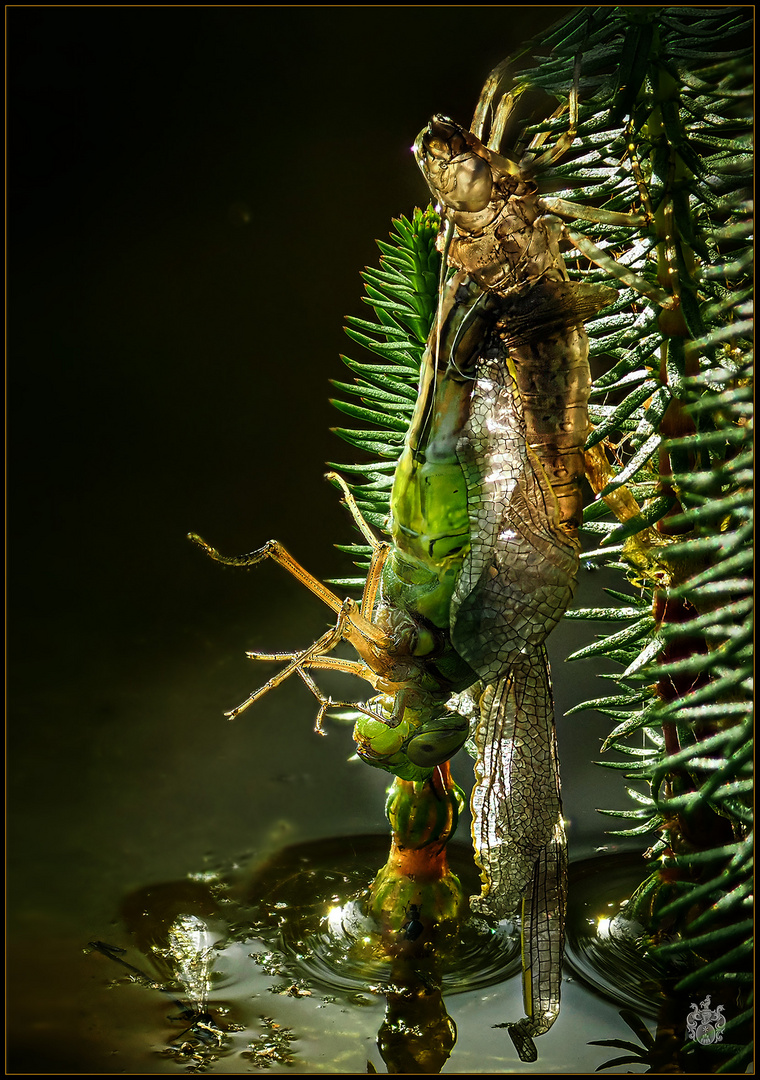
(431, 535)
(430, 519)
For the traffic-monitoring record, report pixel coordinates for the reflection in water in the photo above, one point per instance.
(605, 947)
(190, 953)
(417, 1034)
(299, 927)
(304, 918)
(318, 902)
(190, 958)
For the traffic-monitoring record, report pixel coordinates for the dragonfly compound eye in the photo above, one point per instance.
(437, 740)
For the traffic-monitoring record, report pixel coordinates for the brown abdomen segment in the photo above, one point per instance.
(554, 381)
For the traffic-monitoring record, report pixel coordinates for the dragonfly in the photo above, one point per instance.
(483, 554)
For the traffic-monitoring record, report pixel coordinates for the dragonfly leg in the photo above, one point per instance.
(327, 703)
(356, 513)
(538, 140)
(485, 102)
(566, 208)
(354, 623)
(620, 501)
(503, 111)
(505, 108)
(331, 663)
(566, 140)
(600, 258)
(324, 663)
(598, 215)
(350, 626)
(274, 550)
(372, 584)
(640, 548)
(323, 645)
(360, 630)
(380, 550)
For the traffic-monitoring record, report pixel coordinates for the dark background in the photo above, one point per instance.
(192, 194)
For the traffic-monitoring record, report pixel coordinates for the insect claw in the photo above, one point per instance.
(231, 714)
(324, 703)
(201, 543)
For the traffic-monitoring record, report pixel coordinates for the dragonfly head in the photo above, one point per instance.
(415, 745)
(457, 173)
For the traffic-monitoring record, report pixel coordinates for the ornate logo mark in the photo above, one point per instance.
(704, 1024)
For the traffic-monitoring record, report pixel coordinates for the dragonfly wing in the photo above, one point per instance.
(516, 808)
(520, 572)
(543, 928)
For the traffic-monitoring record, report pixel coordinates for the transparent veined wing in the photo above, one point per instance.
(520, 572)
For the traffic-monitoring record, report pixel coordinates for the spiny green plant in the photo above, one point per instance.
(664, 127)
(667, 92)
(403, 294)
